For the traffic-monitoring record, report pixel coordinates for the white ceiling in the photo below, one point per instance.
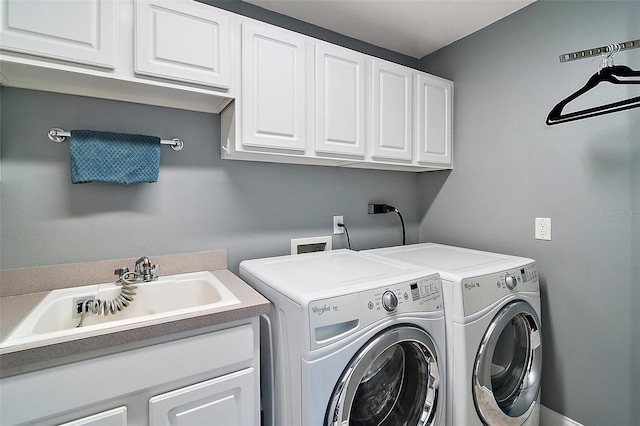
(413, 27)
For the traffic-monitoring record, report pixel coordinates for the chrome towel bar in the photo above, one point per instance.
(58, 135)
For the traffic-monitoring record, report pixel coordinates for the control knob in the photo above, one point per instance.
(510, 281)
(389, 301)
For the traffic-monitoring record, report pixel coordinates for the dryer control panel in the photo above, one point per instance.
(332, 318)
(480, 292)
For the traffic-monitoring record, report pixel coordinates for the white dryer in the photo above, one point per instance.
(494, 351)
(356, 340)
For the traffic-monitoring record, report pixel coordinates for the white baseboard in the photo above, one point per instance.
(549, 417)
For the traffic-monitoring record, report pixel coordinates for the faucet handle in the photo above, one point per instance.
(153, 271)
(142, 264)
(120, 272)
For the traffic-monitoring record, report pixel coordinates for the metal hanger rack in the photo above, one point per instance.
(58, 135)
(607, 72)
(598, 51)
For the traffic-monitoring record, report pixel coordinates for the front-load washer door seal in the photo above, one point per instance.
(394, 379)
(507, 369)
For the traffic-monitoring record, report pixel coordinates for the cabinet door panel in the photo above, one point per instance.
(273, 84)
(392, 111)
(184, 41)
(77, 31)
(339, 100)
(227, 400)
(115, 417)
(434, 114)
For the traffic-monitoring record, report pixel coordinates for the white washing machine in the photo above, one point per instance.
(356, 340)
(494, 351)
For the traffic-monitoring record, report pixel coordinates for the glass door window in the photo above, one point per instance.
(393, 380)
(506, 378)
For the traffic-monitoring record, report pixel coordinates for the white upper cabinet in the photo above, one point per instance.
(172, 53)
(392, 111)
(273, 88)
(306, 101)
(184, 41)
(83, 32)
(433, 119)
(339, 100)
(283, 96)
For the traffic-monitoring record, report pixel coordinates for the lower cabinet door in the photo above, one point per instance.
(115, 417)
(225, 400)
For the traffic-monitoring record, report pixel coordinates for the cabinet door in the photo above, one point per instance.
(227, 400)
(273, 88)
(433, 119)
(183, 40)
(392, 119)
(115, 417)
(339, 100)
(76, 31)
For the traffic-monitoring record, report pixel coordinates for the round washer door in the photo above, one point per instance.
(393, 380)
(507, 369)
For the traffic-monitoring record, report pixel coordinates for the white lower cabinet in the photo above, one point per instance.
(115, 417)
(225, 400)
(212, 379)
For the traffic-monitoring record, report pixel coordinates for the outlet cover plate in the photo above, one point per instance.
(543, 228)
(337, 229)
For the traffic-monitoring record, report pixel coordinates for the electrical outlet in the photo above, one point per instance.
(543, 228)
(338, 229)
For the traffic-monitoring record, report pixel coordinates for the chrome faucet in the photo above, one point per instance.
(145, 270)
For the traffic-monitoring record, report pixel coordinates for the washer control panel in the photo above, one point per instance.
(511, 281)
(332, 318)
(480, 292)
(389, 301)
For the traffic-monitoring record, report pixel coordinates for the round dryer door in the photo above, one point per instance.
(506, 374)
(393, 380)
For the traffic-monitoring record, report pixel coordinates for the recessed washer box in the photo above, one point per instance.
(310, 244)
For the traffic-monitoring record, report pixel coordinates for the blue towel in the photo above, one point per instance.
(113, 157)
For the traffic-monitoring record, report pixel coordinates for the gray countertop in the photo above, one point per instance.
(23, 289)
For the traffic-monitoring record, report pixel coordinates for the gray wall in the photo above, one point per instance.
(200, 202)
(509, 168)
(256, 12)
(585, 175)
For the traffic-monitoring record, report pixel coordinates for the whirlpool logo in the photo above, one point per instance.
(471, 286)
(319, 310)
